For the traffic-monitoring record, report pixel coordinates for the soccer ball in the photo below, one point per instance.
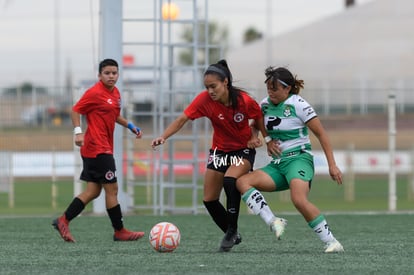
(164, 237)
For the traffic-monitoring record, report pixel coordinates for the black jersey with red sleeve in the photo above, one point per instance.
(101, 107)
(231, 126)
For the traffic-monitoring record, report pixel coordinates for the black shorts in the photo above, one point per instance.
(100, 169)
(221, 161)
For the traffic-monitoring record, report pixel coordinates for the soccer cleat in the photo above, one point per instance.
(334, 247)
(126, 235)
(230, 239)
(61, 224)
(278, 226)
(238, 238)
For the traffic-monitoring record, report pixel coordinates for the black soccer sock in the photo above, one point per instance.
(74, 209)
(218, 213)
(115, 215)
(233, 201)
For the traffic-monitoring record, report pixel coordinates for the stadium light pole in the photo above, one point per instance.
(269, 23)
(110, 46)
(169, 13)
(57, 44)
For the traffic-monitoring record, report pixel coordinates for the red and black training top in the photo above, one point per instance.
(231, 127)
(101, 107)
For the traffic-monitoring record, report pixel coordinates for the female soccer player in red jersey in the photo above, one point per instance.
(101, 106)
(229, 110)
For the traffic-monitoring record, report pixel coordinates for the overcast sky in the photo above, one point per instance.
(28, 34)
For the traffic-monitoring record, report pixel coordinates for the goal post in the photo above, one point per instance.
(392, 132)
(6, 176)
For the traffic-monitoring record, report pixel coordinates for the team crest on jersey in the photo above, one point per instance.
(287, 111)
(110, 175)
(238, 117)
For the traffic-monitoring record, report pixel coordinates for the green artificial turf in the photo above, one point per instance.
(374, 244)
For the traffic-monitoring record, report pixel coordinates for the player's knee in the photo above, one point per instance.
(111, 190)
(299, 201)
(111, 194)
(242, 184)
(87, 196)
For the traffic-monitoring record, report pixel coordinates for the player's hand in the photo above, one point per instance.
(157, 141)
(273, 148)
(335, 173)
(79, 138)
(135, 130)
(254, 142)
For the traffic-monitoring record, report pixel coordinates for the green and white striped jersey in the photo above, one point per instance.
(285, 122)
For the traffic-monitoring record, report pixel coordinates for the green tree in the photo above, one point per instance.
(217, 37)
(251, 34)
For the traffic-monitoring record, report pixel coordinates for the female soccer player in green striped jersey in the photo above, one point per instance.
(288, 118)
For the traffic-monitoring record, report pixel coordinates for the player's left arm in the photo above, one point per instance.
(317, 129)
(130, 125)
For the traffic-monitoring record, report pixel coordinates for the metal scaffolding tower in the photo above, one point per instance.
(171, 89)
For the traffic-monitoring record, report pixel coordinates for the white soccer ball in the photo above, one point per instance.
(164, 237)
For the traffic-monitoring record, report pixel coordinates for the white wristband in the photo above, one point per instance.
(267, 139)
(77, 130)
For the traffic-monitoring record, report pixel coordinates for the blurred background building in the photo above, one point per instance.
(350, 61)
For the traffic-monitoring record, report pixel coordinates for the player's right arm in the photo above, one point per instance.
(173, 128)
(77, 130)
(82, 106)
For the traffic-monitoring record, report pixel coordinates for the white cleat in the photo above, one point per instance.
(278, 226)
(334, 247)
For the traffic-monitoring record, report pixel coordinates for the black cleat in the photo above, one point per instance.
(238, 238)
(230, 239)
